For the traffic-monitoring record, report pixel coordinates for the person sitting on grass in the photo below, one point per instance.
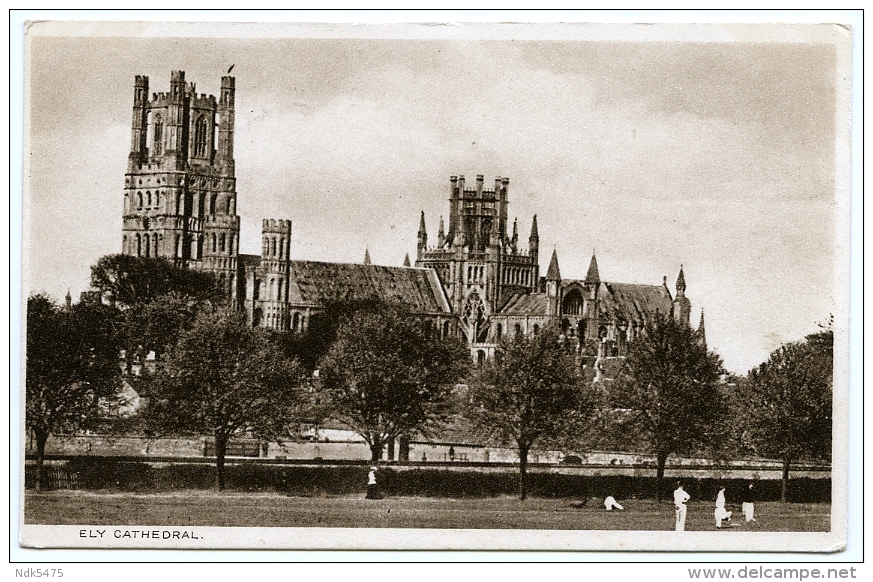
(610, 503)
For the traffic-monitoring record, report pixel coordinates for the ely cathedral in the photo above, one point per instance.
(476, 282)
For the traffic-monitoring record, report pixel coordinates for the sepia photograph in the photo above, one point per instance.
(408, 286)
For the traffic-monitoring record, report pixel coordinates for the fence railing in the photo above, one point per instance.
(52, 478)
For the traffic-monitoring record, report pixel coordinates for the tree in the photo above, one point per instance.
(788, 403)
(386, 374)
(310, 346)
(668, 392)
(158, 300)
(155, 326)
(124, 280)
(531, 391)
(225, 378)
(72, 372)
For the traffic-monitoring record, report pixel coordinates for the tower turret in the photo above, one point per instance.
(175, 135)
(504, 208)
(553, 284)
(226, 119)
(272, 300)
(534, 239)
(454, 198)
(460, 224)
(139, 124)
(441, 235)
(592, 279)
(367, 256)
(554, 272)
(680, 283)
(701, 331)
(422, 235)
(681, 305)
(406, 261)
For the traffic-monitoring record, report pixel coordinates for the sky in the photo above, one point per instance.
(717, 156)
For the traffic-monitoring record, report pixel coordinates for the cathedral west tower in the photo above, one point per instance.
(180, 189)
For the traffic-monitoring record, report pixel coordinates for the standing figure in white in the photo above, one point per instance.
(680, 497)
(720, 512)
(749, 503)
(372, 488)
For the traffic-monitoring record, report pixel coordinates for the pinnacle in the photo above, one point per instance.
(554, 272)
(593, 275)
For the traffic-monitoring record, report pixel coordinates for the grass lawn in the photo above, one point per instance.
(233, 509)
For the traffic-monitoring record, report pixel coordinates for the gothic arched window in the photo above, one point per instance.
(139, 200)
(212, 204)
(201, 133)
(572, 304)
(147, 245)
(138, 246)
(223, 242)
(230, 246)
(214, 243)
(158, 140)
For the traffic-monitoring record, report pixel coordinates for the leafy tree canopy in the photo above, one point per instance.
(225, 378)
(668, 391)
(72, 372)
(788, 400)
(310, 346)
(669, 383)
(156, 325)
(125, 281)
(386, 374)
(532, 392)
